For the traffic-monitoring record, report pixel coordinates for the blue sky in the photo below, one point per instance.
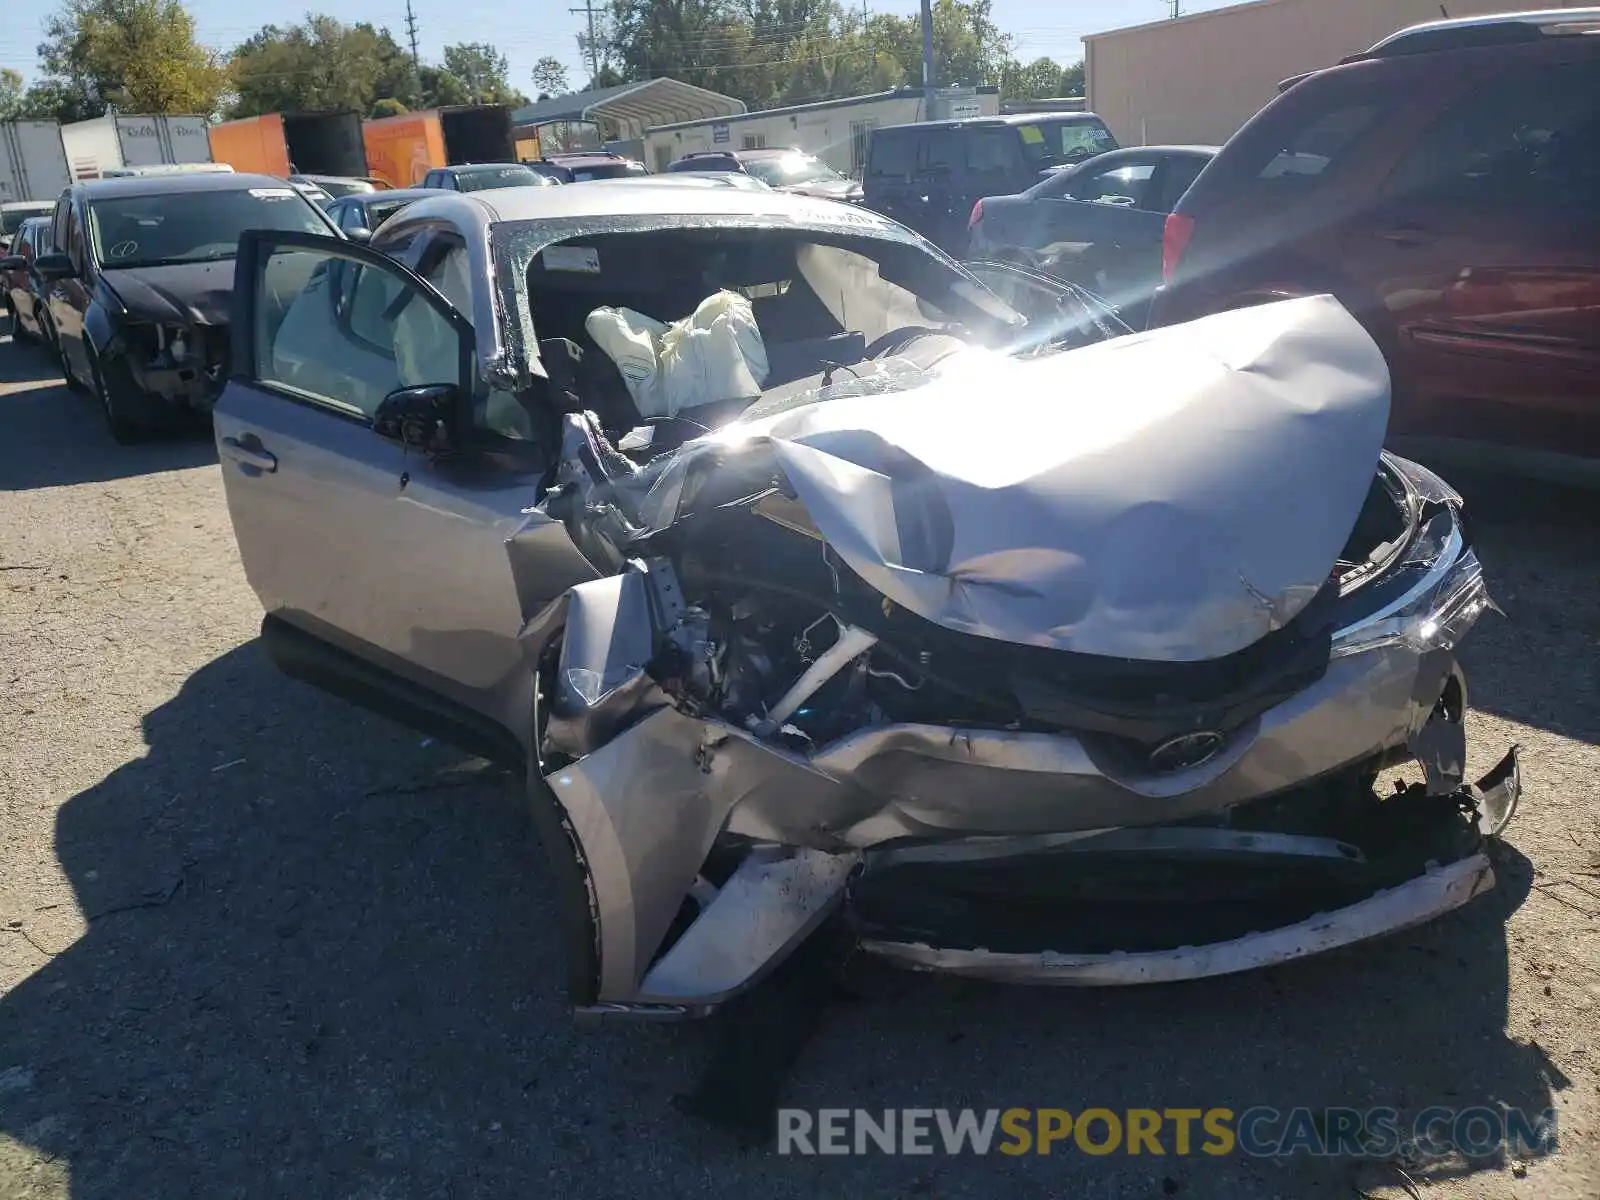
(526, 33)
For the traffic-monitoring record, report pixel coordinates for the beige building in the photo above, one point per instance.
(1198, 78)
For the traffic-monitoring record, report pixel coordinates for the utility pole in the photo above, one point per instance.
(927, 60)
(1176, 9)
(416, 63)
(592, 45)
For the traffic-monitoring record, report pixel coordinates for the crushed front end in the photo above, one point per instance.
(178, 368)
(1108, 711)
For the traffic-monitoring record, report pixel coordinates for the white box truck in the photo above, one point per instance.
(111, 142)
(33, 164)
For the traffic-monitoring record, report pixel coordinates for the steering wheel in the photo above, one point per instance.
(895, 339)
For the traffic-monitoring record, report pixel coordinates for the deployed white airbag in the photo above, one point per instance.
(715, 353)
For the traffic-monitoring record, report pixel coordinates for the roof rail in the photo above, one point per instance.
(1496, 29)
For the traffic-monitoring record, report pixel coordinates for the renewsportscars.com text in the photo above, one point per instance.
(1261, 1132)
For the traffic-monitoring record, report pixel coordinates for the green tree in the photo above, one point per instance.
(10, 93)
(320, 65)
(134, 55)
(484, 72)
(1037, 80)
(440, 88)
(770, 52)
(550, 76)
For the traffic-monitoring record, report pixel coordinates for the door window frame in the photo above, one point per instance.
(256, 247)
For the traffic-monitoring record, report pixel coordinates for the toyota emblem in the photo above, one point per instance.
(1186, 750)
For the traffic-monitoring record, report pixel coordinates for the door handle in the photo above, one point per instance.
(1407, 235)
(250, 456)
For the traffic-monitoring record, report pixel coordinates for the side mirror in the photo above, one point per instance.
(13, 262)
(361, 235)
(427, 418)
(54, 265)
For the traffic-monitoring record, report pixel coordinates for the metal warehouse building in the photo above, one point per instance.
(1198, 78)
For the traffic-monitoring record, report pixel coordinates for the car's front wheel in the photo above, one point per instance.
(126, 409)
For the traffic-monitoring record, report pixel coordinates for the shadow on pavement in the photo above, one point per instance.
(1540, 546)
(320, 961)
(58, 437)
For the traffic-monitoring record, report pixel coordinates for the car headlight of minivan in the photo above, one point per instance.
(1436, 611)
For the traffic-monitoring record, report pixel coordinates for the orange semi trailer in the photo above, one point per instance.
(401, 150)
(292, 143)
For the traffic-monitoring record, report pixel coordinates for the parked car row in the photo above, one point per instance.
(1444, 185)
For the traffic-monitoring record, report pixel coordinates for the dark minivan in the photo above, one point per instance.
(928, 175)
(1445, 186)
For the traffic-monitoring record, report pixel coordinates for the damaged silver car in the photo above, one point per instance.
(811, 575)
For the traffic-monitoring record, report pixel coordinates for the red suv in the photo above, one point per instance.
(1445, 186)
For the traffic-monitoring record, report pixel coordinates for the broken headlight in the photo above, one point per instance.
(1446, 596)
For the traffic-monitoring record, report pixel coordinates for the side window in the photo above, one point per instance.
(74, 242)
(344, 334)
(941, 152)
(58, 225)
(350, 217)
(1057, 187)
(991, 151)
(1177, 172)
(1124, 184)
(1305, 152)
(1531, 138)
(892, 153)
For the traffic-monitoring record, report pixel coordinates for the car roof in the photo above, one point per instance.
(621, 198)
(1004, 120)
(391, 195)
(468, 168)
(164, 185)
(590, 158)
(327, 178)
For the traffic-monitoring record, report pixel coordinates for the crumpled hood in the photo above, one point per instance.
(198, 293)
(826, 189)
(1173, 495)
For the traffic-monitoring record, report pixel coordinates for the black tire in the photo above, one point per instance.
(126, 411)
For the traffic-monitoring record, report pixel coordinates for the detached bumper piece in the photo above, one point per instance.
(1163, 905)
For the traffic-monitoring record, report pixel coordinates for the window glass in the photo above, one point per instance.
(1178, 171)
(346, 334)
(497, 177)
(156, 230)
(1047, 143)
(941, 151)
(1125, 184)
(991, 151)
(63, 218)
(1530, 138)
(1309, 150)
(893, 152)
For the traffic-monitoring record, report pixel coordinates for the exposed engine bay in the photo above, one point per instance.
(1034, 687)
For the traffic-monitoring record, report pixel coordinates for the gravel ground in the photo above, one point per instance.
(256, 942)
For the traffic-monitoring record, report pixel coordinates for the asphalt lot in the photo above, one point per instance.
(256, 942)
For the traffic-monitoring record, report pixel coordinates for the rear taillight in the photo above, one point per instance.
(977, 214)
(1174, 241)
